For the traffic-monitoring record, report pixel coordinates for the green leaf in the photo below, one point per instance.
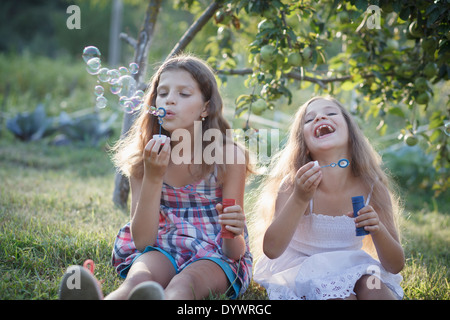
(347, 85)
(435, 135)
(361, 4)
(239, 111)
(437, 120)
(396, 111)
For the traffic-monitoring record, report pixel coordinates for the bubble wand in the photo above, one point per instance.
(342, 163)
(160, 113)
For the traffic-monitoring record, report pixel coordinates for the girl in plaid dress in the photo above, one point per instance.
(173, 247)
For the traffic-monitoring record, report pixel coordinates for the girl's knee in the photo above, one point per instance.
(131, 281)
(135, 278)
(183, 286)
(197, 282)
(361, 285)
(369, 287)
(151, 266)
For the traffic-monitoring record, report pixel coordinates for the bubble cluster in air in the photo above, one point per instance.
(120, 82)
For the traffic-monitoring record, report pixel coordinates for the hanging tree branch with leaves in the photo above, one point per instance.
(391, 57)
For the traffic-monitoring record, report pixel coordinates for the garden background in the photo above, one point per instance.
(56, 177)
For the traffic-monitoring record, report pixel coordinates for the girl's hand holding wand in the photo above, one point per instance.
(307, 180)
(156, 160)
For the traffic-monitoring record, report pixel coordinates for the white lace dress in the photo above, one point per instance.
(323, 261)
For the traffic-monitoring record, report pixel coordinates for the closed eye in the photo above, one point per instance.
(308, 120)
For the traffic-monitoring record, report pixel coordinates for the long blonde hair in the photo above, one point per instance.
(128, 151)
(284, 165)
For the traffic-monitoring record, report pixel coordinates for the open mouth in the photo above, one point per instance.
(323, 130)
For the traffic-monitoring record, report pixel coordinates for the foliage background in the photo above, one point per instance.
(373, 70)
(49, 219)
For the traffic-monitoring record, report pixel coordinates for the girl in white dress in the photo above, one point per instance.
(310, 247)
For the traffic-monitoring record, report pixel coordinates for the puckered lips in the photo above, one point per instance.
(323, 130)
(169, 114)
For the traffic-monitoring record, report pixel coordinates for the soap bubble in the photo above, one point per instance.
(103, 75)
(122, 101)
(93, 66)
(90, 53)
(124, 71)
(133, 67)
(138, 106)
(120, 80)
(137, 103)
(128, 86)
(114, 75)
(99, 90)
(140, 94)
(101, 102)
(128, 107)
(115, 88)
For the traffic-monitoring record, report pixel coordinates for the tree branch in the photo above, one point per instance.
(292, 75)
(239, 72)
(128, 39)
(141, 48)
(194, 29)
(145, 37)
(320, 82)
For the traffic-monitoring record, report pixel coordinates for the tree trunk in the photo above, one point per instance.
(121, 183)
(194, 29)
(114, 31)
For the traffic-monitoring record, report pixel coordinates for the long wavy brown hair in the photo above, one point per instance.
(366, 165)
(128, 152)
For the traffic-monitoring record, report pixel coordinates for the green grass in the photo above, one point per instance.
(426, 241)
(56, 211)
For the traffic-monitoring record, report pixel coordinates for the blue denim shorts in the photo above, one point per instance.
(232, 291)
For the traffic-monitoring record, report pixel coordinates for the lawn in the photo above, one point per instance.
(56, 211)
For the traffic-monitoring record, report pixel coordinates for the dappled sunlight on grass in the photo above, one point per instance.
(56, 211)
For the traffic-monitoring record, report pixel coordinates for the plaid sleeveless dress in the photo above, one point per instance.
(188, 231)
